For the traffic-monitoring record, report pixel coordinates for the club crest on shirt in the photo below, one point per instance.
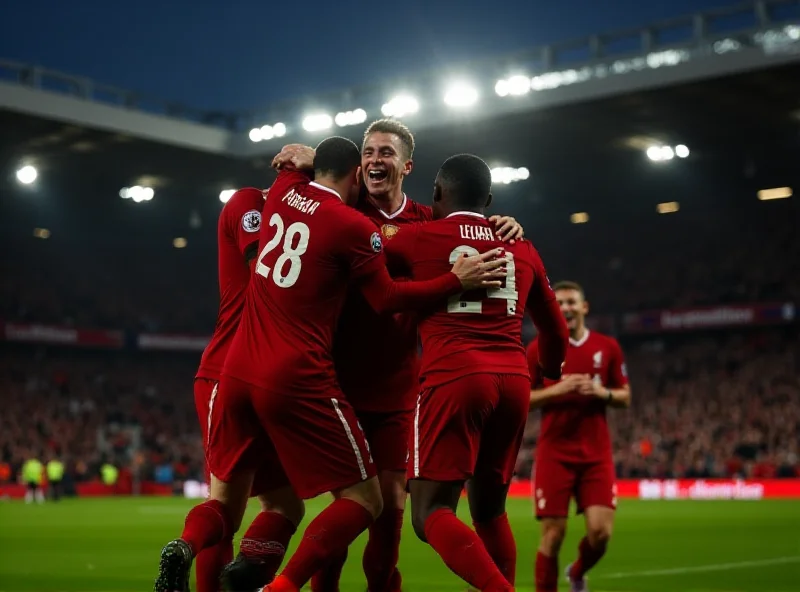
(251, 221)
(375, 242)
(389, 230)
(598, 359)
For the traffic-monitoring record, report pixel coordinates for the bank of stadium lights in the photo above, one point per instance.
(460, 95)
(579, 218)
(400, 106)
(27, 174)
(226, 194)
(179, 242)
(267, 132)
(508, 175)
(317, 122)
(775, 193)
(137, 193)
(514, 86)
(354, 117)
(667, 153)
(42, 233)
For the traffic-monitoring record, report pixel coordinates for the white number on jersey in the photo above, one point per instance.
(291, 252)
(509, 293)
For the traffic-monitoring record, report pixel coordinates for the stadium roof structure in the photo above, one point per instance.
(724, 84)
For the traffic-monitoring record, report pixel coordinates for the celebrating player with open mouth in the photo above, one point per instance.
(573, 453)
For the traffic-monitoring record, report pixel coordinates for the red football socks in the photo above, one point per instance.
(207, 525)
(328, 534)
(266, 540)
(383, 551)
(327, 579)
(463, 551)
(546, 574)
(588, 557)
(209, 564)
(499, 542)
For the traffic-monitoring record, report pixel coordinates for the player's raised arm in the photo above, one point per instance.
(546, 314)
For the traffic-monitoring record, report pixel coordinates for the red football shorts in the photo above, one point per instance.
(387, 434)
(235, 440)
(469, 427)
(556, 481)
(319, 441)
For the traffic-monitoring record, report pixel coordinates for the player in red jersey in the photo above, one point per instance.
(376, 355)
(471, 412)
(237, 241)
(573, 454)
(278, 377)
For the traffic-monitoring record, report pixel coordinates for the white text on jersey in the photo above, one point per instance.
(476, 232)
(304, 204)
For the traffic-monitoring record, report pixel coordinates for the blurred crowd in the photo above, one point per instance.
(693, 260)
(86, 409)
(719, 405)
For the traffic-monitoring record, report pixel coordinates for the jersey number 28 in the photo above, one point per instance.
(509, 293)
(295, 243)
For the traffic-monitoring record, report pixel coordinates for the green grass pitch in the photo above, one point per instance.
(112, 545)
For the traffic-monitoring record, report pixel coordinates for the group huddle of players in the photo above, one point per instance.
(312, 383)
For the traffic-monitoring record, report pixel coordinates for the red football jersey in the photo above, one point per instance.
(480, 331)
(574, 426)
(311, 246)
(237, 232)
(376, 355)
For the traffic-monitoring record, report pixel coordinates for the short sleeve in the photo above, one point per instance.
(617, 370)
(363, 248)
(533, 362)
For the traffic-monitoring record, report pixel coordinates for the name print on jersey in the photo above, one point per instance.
(298, 202)
(471, 232)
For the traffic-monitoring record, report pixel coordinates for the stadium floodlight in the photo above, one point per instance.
(508, 175)
(27, 174)
(255, 134)
(669, 207)
(660, 153)
(137, 193)
(579, 218)
(266, 132)
(279, 129)
(399, 106)
(514, 86)
(681, 151)
(226, 194)
(317, 122)
(354, 117)
(775, 193)
(179, 242)
(460, 95)
(42, 233)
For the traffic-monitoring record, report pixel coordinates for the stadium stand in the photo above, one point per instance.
(103, 320)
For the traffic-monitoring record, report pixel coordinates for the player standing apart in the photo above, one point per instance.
(376, 354)
(573, 454)
(470, 415)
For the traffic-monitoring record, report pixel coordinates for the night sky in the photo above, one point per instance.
(247, 53)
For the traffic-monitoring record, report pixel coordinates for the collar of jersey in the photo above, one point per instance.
(394, 214)
(328, 189)
(581, 341)
(475, 214)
